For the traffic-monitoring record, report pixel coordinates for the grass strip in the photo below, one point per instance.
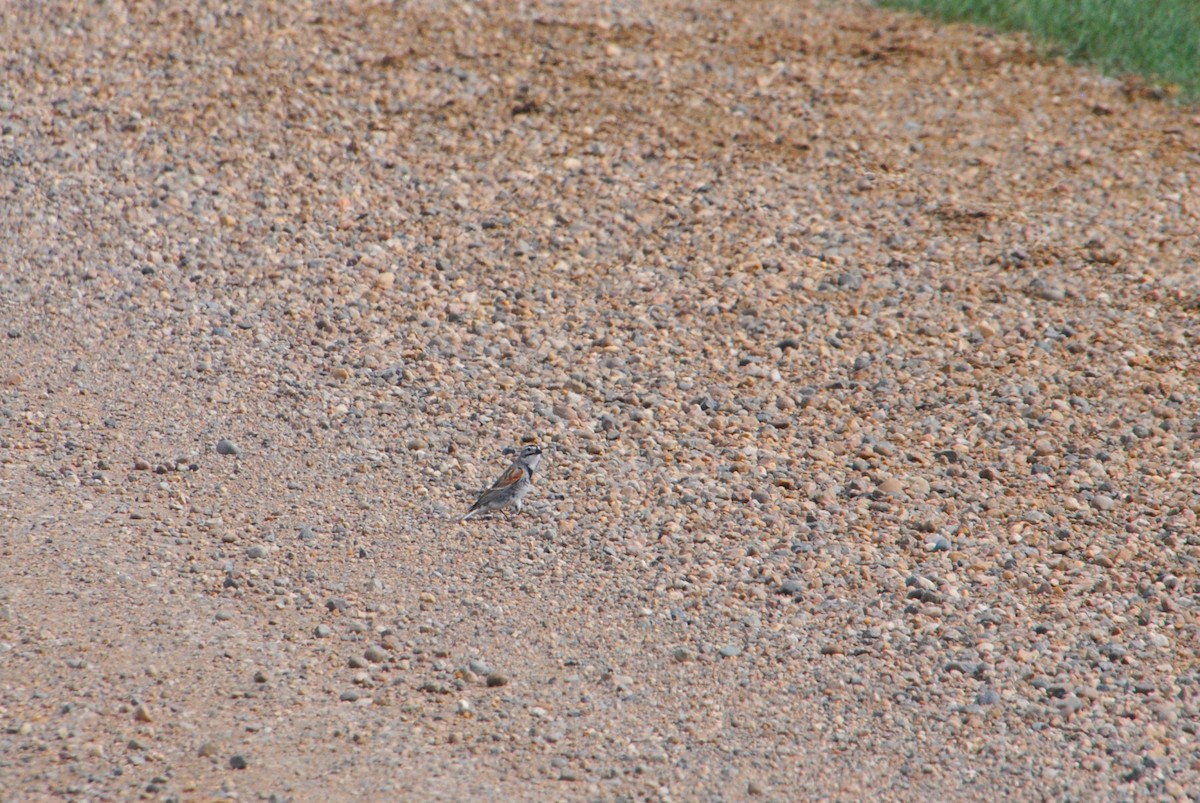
(1157, 39)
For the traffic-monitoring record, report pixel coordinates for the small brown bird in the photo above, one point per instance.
(510, 489)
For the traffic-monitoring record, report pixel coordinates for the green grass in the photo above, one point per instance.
(1158, 39)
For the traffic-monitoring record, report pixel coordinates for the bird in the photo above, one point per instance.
(510, 489)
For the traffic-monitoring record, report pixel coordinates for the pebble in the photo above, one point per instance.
(1069, 705)
(228, 447)
(238, 762)
(987, 696)
(939, 543)
(792, 586)
(730, 651)
(1047, 291)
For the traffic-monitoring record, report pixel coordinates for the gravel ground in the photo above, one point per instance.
(864, 353)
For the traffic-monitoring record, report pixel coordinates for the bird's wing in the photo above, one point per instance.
(511, 476)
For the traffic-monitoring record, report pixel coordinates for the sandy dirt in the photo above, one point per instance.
(863, 353)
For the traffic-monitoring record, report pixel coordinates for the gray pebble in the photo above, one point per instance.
(322, 631)
(375, 655)
(731, 651)
(1069, 705)
(228, 447)
(1040, 288)
(938, 544)
(479, 668)
(987, 696)
(256, 551)
(850, 280)
(791, 586)
(349, 696)
(238, 762)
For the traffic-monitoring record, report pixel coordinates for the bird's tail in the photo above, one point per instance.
(470, 513)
